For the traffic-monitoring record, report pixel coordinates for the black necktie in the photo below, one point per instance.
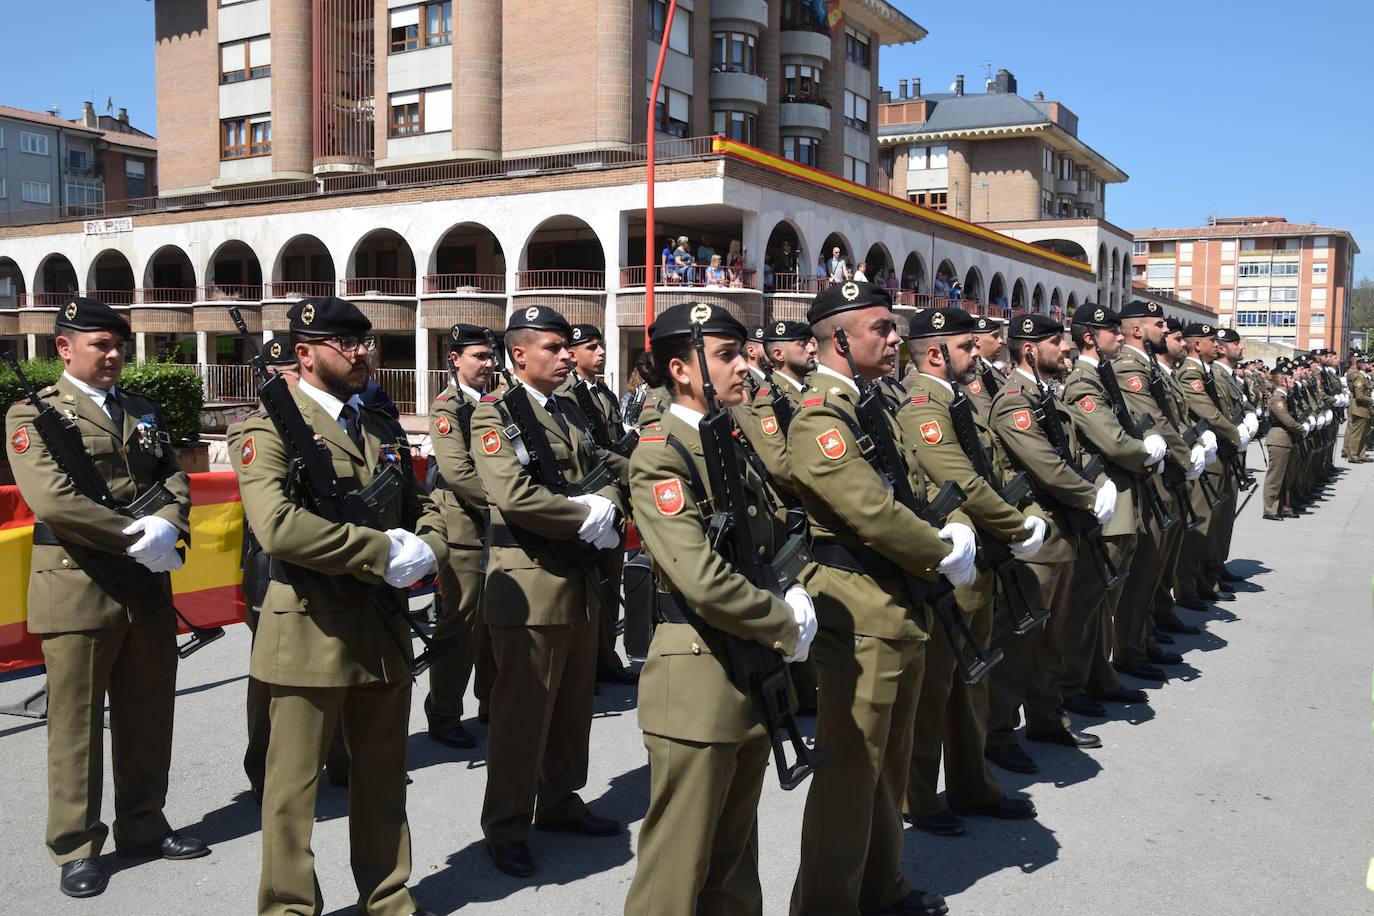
(115, 410)
(348, 419)
(557, 414)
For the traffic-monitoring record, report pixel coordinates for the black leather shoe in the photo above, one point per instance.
(1084, 705)
(1159, 636)
(1011, 757)
(1160, 657)
(1004, 809)
(1143, 670)
(454, 736)
(337, 777)
(1067, 737)
(1123, 695)
(83, 878)
(1273, 518)
(1224, 587)
(1227, 576)
(1192, 604)
(512, 858)
(942, 823)
(618, 676)
(1178, 626)
(588, 825)
(1217, 596)
(423, 913)
(171, 845)
(918, 903)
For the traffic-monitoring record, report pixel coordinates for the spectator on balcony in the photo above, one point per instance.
(940, 287)
(891, 283)
(769, 286)
(956, 291)
(861, 272)
(670, 272)
(734, 264)
(705, 250)
(683, 261)
(837, 268)
(715, 274)
(784, 261)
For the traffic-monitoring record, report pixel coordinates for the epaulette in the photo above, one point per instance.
(490, 398)
(920, 399)
(813, 402)
(765, 392)
(445, 396)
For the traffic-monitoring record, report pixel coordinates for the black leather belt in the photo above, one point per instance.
(667, 607)
(852, 559)
(43, 536)
(509, 536)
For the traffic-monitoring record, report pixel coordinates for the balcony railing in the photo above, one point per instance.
(231, 292)
(465, 283)
(561, 279)
(378, 286)
(50, 299)
(298, 289)
(229, 383)
(797, 98)
(112, 296)
(400, 385)
(167, 295)
(694, 276)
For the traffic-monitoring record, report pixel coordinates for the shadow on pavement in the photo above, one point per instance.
(951, 865)
(1247, 568)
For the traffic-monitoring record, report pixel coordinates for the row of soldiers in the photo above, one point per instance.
(1049, 515)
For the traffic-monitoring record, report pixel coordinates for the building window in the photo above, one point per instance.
(670, 110)
(1046, 203)
(1247, 244)
(1318, 273)
(1228, 273)
(407, 110)
(1283, 294)
(1251, 319)
(801, 16)
(1285, 269)
(1317, 320)
(242, 138)
(1185, 251)
(1065, 168)
(856, 111)
(1283, 319)
(1140, 249)
(36, 192)
(1228, 248)
(4, 192)
(1254, 269)
(84, 193)
(33, 143)
(1227, 298)
(935, 200)
(806, 150)
(135, 178)
(857, 48)
(801, 83)
(1156, 272)
(856, 170)
(1252, 294)
(1290, 244)
(737, 125)
(924, 158)
(1185, 276)
(245, 60)
(1049, 159)
(426, 25)
(1318, 298)
(734, 53)
(681, 39)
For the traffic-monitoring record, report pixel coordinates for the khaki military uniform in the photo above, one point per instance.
(870, 652)
(1284, 435)
(1196, 573)
(708, 748)
(950, 714)
(980, 390)
(542, 608)
(463, 501)
(92, 644)
(1357, 428)
(331, 657)
(1233, 400)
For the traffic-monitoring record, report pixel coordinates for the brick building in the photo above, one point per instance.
(1271, 280)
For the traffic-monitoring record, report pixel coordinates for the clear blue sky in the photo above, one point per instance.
(1211, 106)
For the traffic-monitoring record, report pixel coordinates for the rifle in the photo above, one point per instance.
(601, 433)
(991, 384)
(1228, 453)
(996, 551)
(874, 436)
(115, 574)
(1136, 430)
(632, 405)
(755, 668)
(1172, 476)
(782, 407)
(310, 472)
(1080, 521)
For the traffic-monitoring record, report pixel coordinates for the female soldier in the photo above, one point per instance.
(708, 748)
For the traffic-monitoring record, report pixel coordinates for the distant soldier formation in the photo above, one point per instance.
(946, 537)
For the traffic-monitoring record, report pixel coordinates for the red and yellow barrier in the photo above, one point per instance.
(206, 588)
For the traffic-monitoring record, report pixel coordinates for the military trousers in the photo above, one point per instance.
(1221, 551)
(1278, 495)
(1356, 435)
(375, 721)
(136, 666)
(952, 717)
(1088, 642)
(1164, 595)
(851, 837)
(541, 721)
(1192, 575)
(461, 583)
(699, 842)
(607, 661)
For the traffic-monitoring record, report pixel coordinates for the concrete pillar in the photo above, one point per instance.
(960, 184)
(616, 240)
(613, 97)
(703, 121)
(477, 80)
(832, 147)
(292, 87)
(140, 346)
(422, 393)
(770, 68)
(31, 345)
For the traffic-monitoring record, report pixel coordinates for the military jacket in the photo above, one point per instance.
(765, 433)
(848, 501)
(684, 691)
(980, 390)
(1285, 431)
(1100, 433)
(1133, 377)
(62, 598)
(539, 583)
(1360, 401)
(461, 498)
(321, 630)
(1191, 379)
(656, 401)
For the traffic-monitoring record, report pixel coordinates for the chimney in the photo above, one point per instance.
(88, 114)
(915, 87)
(1039, 96)
(1005, 82)
(901, 89)
(55, 111)
(123, 116)
(959, 84)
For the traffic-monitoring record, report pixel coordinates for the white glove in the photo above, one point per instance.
(607, 539)
(805, 612)
(408, 560)
(1104, 506)
(1329, 418)
(600, 518)
(1244, 432)
(1198, 463)
(1252, 423)
(156, 549)
(958, 566)
(1209, 442)
(1307, 426)
(1157, 447)
(1031, 545)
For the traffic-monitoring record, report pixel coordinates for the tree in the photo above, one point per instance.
(1362, 306)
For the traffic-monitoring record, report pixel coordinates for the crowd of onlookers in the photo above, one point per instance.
(703, 267)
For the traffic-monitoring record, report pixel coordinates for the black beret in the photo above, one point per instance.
(1173, 324)
(327, 316)
(1034, 327)
(756, 332)
(1199, 329)
(1097, 316)
(278, 353)
(679, 320)
(539, 318)
(1139, 308)
(466, 335)
(940, 323)
(845, 297)
(81, 314)
(788, 330)
(984, 325)
(1228, 335)
(584, 334)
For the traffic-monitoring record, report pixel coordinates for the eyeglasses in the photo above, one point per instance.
(350, 344)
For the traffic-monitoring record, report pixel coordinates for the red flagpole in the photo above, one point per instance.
(650, 263)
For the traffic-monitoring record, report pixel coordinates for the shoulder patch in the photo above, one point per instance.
(1280, 404)
(491, 442)
(490, 398)
(832, 443)
(444, 397)
(920, 399)
(1021, 419)
(1135, 383)
(653, 438)
(442, 426)
(668, 496)
(976, 386)
(1197, 384)
(813, 402)
(1087, 404)
(20, 440)
(932, 433)
(770, 426)
(248, 452)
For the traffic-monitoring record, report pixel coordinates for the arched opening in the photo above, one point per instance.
(1038, 298)
(785, 261)
(1102, 263)
(1116, 266)
(1018, 296)
(1112, 300)
(1126, 272)
(235, 273)
(12, 288)
(997, 291)
(946, 275)
(304, 268)
(1072, 305)
(973, 286)
(835, 246)
(1056, 302)
(563, 253)
(56, 281)
(468, 258)
(1066, 247)
(913, 278)
(877, 264)
(111, 279)
(382, 264)
(169, 278)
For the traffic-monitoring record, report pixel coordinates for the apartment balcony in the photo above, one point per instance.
(737, 294)
(754, 12)
(739, 91)
(1087, 196)
(802, 46)
(449, 299)
(803, 115)
(1066, 186)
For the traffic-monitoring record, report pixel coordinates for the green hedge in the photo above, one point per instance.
(175, 386)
